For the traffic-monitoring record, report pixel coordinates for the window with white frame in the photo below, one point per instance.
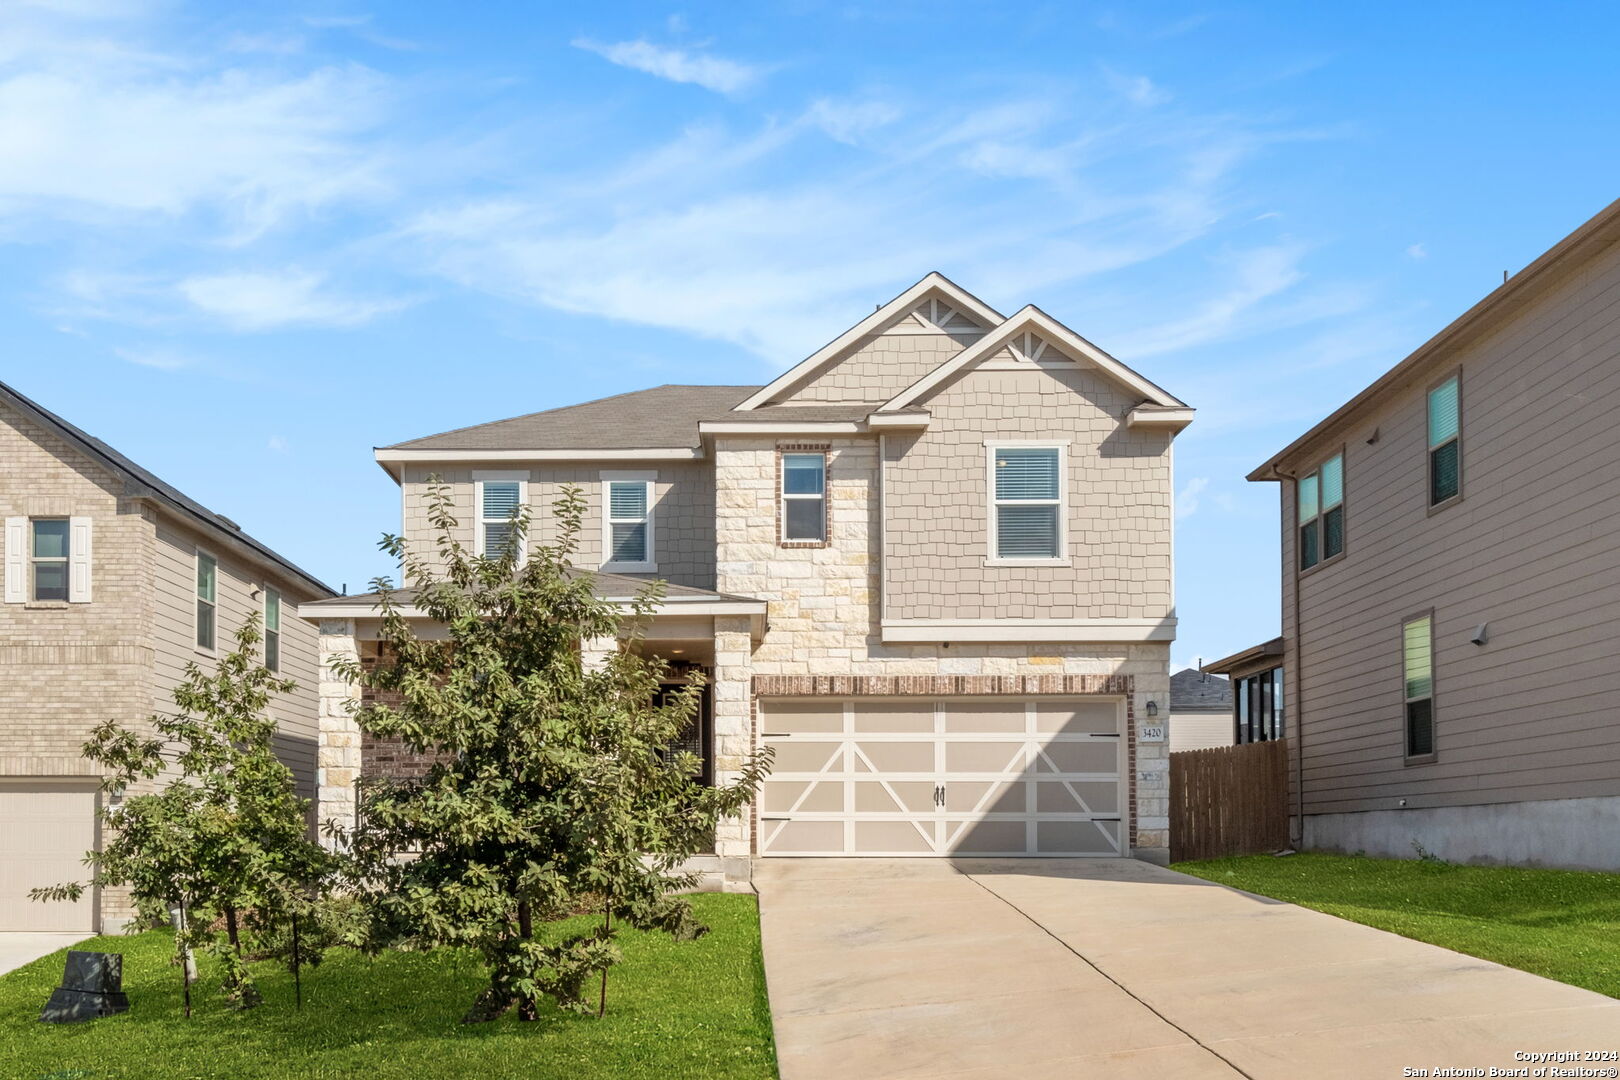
(272, 629)
(1026, 487)
(1445, 442)
(499, 497)
(1321, 513)
(49, 555)
(804, 497)
(207, 600)
(1417, 670)
(627, 522)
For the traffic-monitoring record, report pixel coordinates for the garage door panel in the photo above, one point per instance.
(1078, 717)
(903, 837)
(1089, 756)
(896, 757)
(893, 716)
(1077, 837)
(984, 757)
(988, 838)
(986, 797)
(803, 837)
(986, 717)
(1077, 797)
(803, 756)
(44, 834)
(807, 716)
(894, 796)
(826, 796)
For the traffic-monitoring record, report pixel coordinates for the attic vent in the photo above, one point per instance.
(228, 523)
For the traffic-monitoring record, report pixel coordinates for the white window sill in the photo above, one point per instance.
(629, 568)
(1028, 562)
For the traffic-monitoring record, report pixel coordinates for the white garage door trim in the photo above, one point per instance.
(46, 826)
(941, 777)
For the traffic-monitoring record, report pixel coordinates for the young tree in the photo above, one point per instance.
(226, 836)
(553, 780)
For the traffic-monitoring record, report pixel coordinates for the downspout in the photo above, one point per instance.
(1296, 677)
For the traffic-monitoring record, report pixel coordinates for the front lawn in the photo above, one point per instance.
(675, 1010)
(1563, 924)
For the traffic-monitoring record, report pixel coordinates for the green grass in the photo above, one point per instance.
(675, 1010)
(1563, 924)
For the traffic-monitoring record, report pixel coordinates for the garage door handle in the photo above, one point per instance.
(775, 817)
(939, 794)
(777, 735)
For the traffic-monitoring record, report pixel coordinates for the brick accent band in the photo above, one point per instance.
(937, 685)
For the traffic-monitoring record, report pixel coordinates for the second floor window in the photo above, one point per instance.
(804, 498)
(207, 600)
(272, 629)
(627, 535)
(497, 507)
(1445, 442)
(1321, 513)
(1027, 503)
(49, 553)
(1417, 670)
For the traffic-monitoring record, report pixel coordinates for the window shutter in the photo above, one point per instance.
(16, 560)
(78, 560)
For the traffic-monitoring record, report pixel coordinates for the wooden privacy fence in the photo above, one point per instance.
(1232, 800)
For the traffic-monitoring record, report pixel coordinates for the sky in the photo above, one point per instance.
(246, 243)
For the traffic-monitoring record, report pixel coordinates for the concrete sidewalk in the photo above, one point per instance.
(19, 947)
(1115, 968)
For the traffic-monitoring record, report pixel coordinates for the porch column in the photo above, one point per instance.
(337, 763)
(594, 652)
(733, 736)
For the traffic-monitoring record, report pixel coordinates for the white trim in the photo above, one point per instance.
(893, 311)
(1027, 630)
(697, 605)
(786, 427)
(824, 497)
(649, 480)
(16, 555)
(898, 421)
(386, 456)
(79, 555)
(1031, 319)
(199, 554)
(497, 476)
(991, 558)
(1153, 416)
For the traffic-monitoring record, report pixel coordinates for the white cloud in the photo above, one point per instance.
(1187, 498)
(848, 121)
(1137, 89)
(710, 72)
(269, 301)
(160, 358)
(96, 127)
(1417, 251)
(277, 444)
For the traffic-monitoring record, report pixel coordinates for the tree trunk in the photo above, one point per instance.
(230, 930)
(187, 969)
(298, 986)
(607, 928)
(528, 1009)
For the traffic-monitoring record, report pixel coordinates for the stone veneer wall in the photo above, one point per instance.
(825, 612)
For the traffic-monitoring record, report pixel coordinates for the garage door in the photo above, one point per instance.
(955, 776)
(44, 833)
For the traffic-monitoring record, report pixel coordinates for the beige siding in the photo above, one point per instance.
(174, 601)
(1200, 731)
(64, 668)
(1119, 503)
(1531, 549)
(683, 514)
(881, 367)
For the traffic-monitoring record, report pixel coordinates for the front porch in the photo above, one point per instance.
(697, 632)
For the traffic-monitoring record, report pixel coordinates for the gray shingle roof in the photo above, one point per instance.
(162, 490)
(663, 416)
(1193, 691)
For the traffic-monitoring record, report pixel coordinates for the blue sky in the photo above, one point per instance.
(246, 243)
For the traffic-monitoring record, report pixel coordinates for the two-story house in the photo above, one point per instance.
(930, 565)
(1451, 584)
(113, 582)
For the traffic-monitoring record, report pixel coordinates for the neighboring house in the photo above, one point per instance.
(1200, 711)
(1257, 696)
(113, 582)
(930, 566)
(1451, 583)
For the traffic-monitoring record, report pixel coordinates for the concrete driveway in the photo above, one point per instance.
(19, 947)
(1099, 969)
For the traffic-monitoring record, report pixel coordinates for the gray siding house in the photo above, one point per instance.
(930, 566)
(1451, 583)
